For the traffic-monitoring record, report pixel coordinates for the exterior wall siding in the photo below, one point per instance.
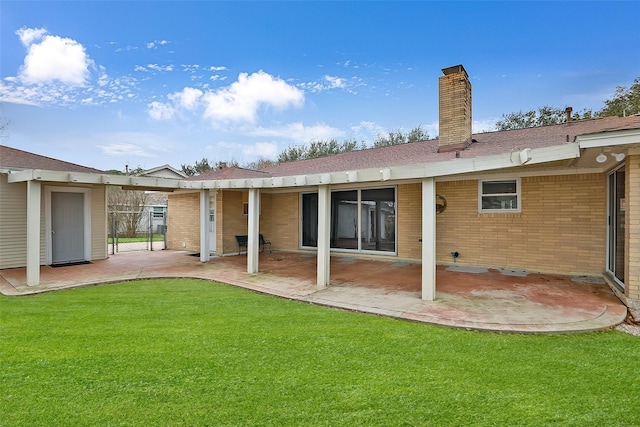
(13, 223)
(632, 227)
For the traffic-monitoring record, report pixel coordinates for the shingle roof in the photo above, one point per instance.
(230, 173)
(485, 144)
(12, 158)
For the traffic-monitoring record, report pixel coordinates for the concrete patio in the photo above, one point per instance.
(472, 298)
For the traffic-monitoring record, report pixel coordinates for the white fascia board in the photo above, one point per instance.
(608, 139)
(92, 178)
(404, 172)
(20, 176)
(486, 163)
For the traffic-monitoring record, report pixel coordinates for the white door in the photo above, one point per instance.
(212, 223)
(67, 227)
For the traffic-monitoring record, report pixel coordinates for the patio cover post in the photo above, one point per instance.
(204, 226)
(324, 230)
(34, 195)
(429, 239)
(253, 245)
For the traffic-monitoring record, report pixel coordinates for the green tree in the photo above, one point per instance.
(260, 163)
(128, 207)
(543, 116)
(197, 168)
(320, 148)
(625, 101)
(205, 165)
(396, 138)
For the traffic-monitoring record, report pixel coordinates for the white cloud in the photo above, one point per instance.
(157, 67)
(188, 98)
(159, 111)
(131, 144)
(367, 130)
(154, 44)
(122, 149)
(214, 68)
(241, 100)
(261, 149)
(332, 82)
(53, 58)
(335, 82)
(486, 125)
(19, 94)
(30, 35)
(299, 132)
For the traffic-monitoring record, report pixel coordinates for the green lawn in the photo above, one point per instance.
(189, 352)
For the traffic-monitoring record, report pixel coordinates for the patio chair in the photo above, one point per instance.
(264, 243)
(242, 242)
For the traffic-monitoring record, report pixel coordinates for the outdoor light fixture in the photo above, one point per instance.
(601, 158)
(619, 157)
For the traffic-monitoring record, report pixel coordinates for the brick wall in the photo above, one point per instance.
(183, 222)
(561, 229)
(409, 215)
(280, 220)
(233, 220)
(632, 227)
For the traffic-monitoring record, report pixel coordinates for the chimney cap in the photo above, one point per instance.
(455, 69)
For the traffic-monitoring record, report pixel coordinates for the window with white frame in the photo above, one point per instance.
(158, 212)
(499, 195)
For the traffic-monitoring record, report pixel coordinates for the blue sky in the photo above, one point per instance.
(115, 83)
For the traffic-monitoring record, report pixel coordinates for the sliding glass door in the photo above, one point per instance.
(361, 220)
(616, 237)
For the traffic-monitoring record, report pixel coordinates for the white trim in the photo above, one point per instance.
(253, 231)
(372, 175)
(86, 213)
(34, 197)
(607, 139)
(204, 225)
(428, 239)
(212, 233)
(518, 194)
(323, 270)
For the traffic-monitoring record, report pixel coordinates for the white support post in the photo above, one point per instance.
(253, 239)
(34, 195)
(204, 226)
(324, 236)
(428, 239)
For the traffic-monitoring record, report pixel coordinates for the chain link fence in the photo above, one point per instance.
(144, 230)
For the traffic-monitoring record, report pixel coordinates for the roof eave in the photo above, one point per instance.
(458, 166)
(609, 138)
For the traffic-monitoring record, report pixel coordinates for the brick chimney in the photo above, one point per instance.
(455, 109)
